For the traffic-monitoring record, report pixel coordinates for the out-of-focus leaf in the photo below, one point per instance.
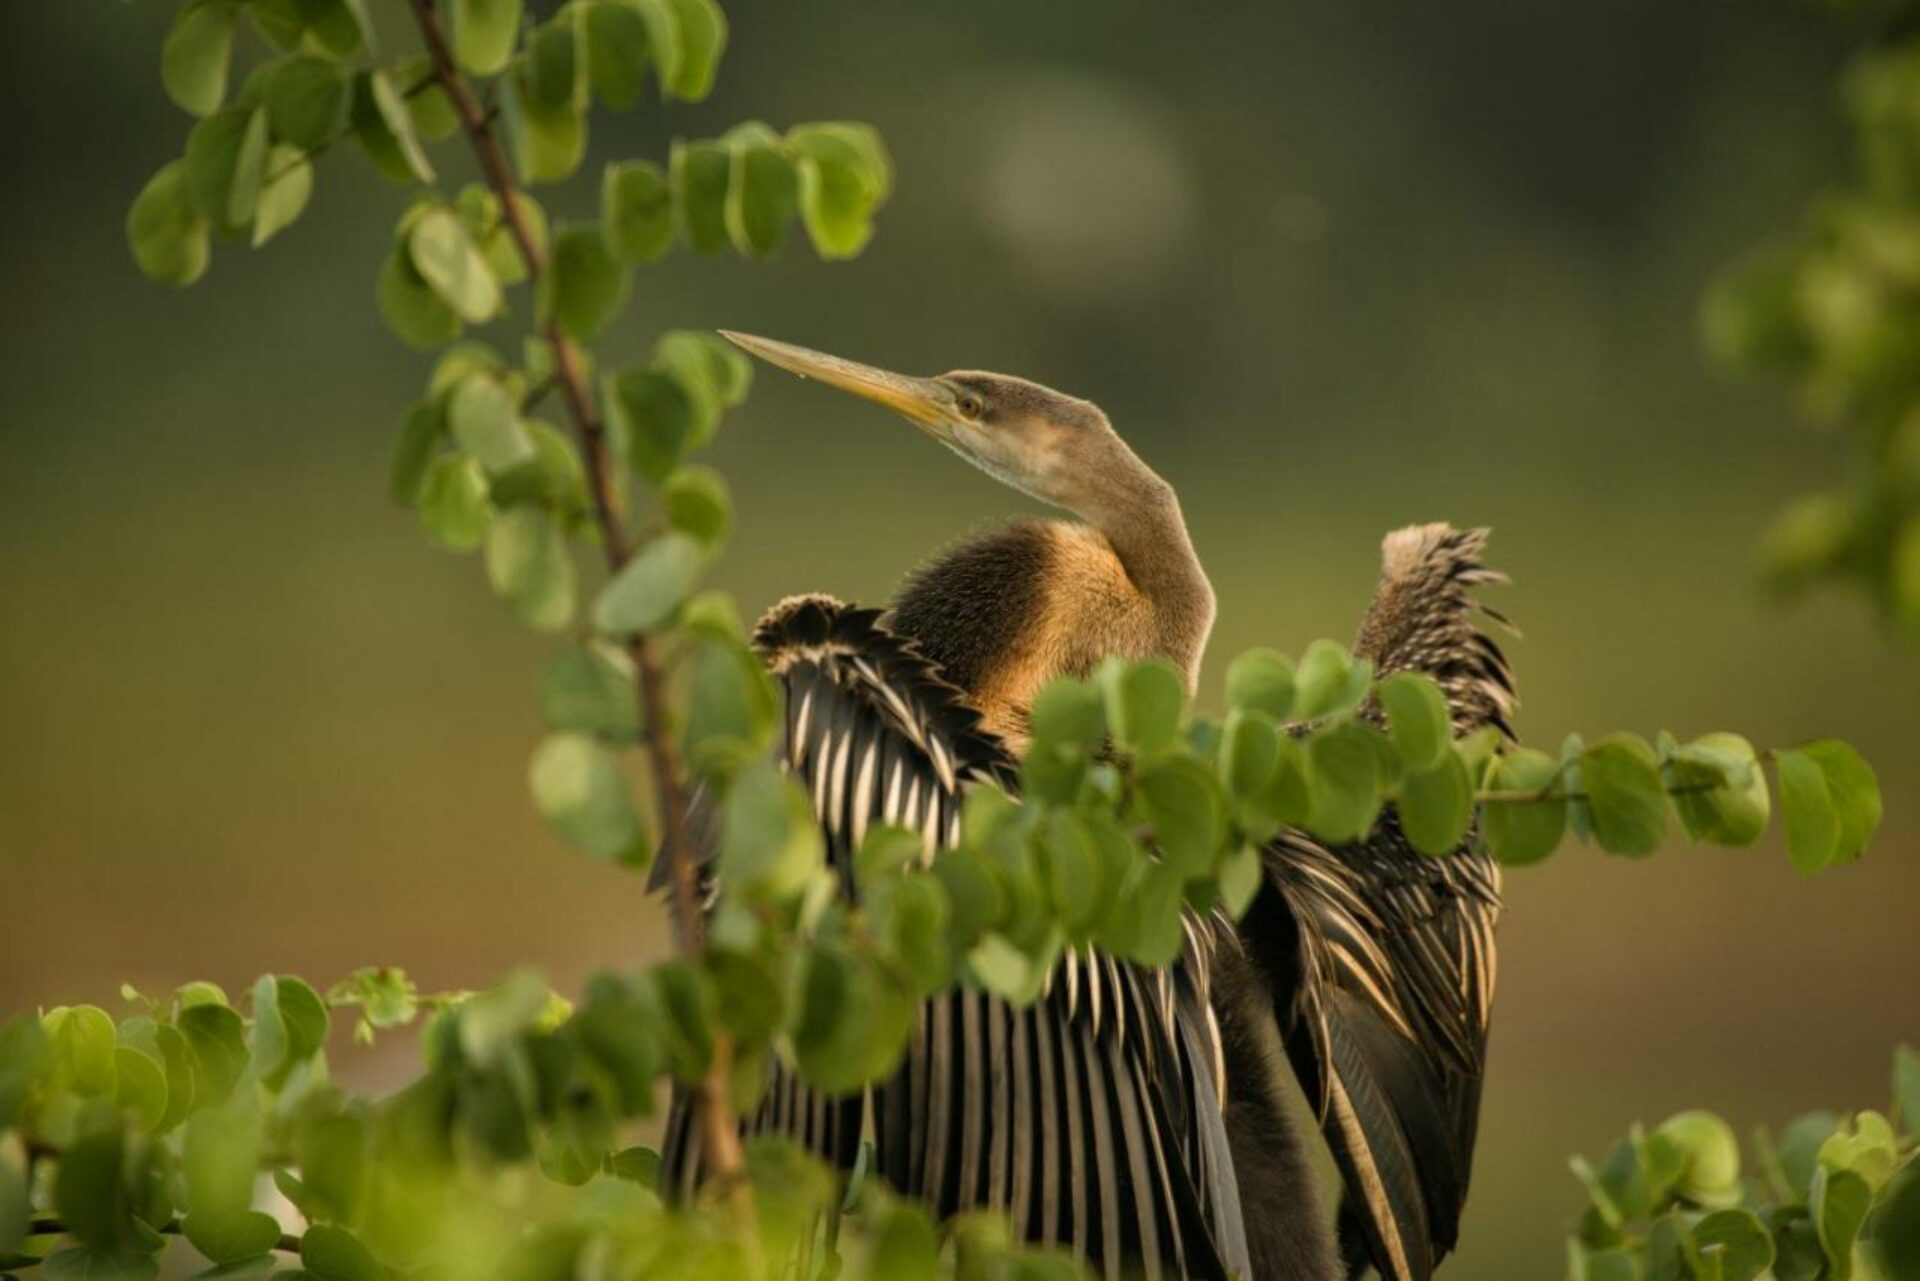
(1436, 806)
(585, 285)
(578, 788)
(197, 53)
(636, 209)
(1417, 719)
(1621, 776)
(1806, 805)
(650, 586)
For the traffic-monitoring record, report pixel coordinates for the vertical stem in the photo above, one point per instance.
(720, 1131)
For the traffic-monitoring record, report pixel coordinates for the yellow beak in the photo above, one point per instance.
(920, 400)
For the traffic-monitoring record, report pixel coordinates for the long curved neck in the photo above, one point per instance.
(1140, 516)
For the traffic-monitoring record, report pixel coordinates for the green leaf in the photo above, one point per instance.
(446, 258)
(384, 126)
(1330, 682)
(1855, 792)
(453, 503)
(650, 586)
(1144, 703)
(1523, 832)
(618, 50)
(653, 420)
(82, 1039)
(486, 425)
(217, 1038)
(578, 788)
(636, 210)
(590, 689)
(698, 174)
(1896, 1226)
(1343, 778)
(1744, 1247)
(1181, 800)
(412, 310)
(335, 1254)
(1839, 1201)
(547, 140)
(1417, 719)
(1708, 1156)
(731, 707)
(1241, 876)
(1720, 792)
(585, 286)
(1436, 806)
(89, 1191)
(309, 101)
(852, 1020)
(167, 232)
(267, 1042)
(699, 37)
(225, 160)
(230, 1237)
(556, 71)
(529, 565)
(1806, 805)
(197, 53)
(1621, 776)
(770, 845)
(484, 34)
(284, 193)
(1249, 753)
(845, 175)
(696, 502)
(140, 1086)
(1069, 713)
(763, 191)
(1261, 680)
(337, 28)
(413, 450)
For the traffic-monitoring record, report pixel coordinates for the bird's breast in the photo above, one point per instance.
(1006, 612)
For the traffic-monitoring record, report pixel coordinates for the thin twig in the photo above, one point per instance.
(719, 1127)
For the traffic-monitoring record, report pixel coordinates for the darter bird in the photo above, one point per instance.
(1132, 1115)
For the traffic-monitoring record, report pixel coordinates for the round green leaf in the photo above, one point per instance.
(1343, 779)
(1720, 791)
(636, 209)
(618, 50)
(308, 101)
(1436, 806)
(1249, 753)
(1418, 722)
(484, 34)
(446, 258)
(167, 232)
(1144, 703)
(763, 191)
(384, 125)
(412, 310)
(770, 845)
(335, 1254)
(1745, 1249)
(1519, 832)
(578, 788)
(227, 1237)
(1181, 800)
(698, 174)
(585, 285)
(653, 420)
(548, 140)
(1806, 804)
(696, 502)
(284, 191)
(1855, 792)
(1839, 1201)
(454, 509)
(1261, 680)
(486, 424)
(845, 176)
(590, 689)
(529, 565)
(650, 586)
(1621, 776)
(1330, 682)
(699, 38)
(197, 53)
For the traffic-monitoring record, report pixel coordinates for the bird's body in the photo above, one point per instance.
(1138, 1115)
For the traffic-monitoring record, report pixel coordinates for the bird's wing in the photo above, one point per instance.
(1385, 969)
(1091, 1117)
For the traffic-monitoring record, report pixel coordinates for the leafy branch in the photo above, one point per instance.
(720, 1125)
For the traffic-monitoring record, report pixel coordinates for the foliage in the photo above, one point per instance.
(1833, 309)
(1829, 1197)
(512, 1155)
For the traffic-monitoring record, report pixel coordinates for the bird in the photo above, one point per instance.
(1137, 1116)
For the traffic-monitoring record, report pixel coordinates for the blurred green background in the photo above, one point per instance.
(1332, 269)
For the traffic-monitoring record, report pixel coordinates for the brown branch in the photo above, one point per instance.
(719, 1128)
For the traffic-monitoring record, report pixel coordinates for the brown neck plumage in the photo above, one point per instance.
(1140, 516)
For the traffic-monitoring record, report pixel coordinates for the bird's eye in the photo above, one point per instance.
(970, 406)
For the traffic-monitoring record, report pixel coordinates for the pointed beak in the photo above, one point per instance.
(919, 400)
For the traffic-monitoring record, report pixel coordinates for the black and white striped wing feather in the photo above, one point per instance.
(1092, 1118)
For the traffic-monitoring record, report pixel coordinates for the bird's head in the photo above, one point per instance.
(1055, 447)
